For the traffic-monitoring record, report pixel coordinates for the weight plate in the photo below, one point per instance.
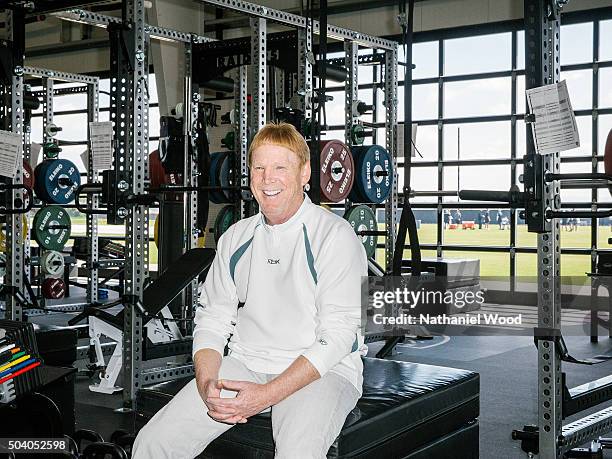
(51, 150)
(362, 218)
(156, 231)
(24, 232)
(226, 176)
(28, 175)
(39, 173)
(2, 264)
(52, 227)
(226, 218)
(59, 181)
(215, 196)
(374, 177)
(52, 263)
(608, 157)
(337, 170)
(157, 174)
(53, 289)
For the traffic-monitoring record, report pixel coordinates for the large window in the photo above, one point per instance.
(480, 140)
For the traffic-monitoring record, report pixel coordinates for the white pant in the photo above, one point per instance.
(304, 425)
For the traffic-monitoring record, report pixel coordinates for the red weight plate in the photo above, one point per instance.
(608, 157)
(28, 175)
(157, 174)
(337, 170)
(53, 289)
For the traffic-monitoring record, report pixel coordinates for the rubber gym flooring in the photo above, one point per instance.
(507, 367)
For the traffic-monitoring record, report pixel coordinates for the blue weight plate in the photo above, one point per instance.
(375, 160)
(356, 194)
(60, 181)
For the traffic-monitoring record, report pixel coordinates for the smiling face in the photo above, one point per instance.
(277, 181)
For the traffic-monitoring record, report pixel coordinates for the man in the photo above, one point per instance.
(284, 288)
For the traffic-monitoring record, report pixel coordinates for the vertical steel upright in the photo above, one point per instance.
(135, 161)
(12, 91)
(191, 97)
(258, 75)
(351, 94)
(391, 145)
(305, 69)
(542, 67)
(240, 128)
(93, 109)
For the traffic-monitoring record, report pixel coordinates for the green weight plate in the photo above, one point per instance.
(51, 227)
(224, 220)
(362, 218)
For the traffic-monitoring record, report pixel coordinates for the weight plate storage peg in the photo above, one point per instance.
(226, 218)
(51, 227)
(374, 176)
(362, 218)
(53, 289)
(57, 181)
(52, 263)
(337, 170)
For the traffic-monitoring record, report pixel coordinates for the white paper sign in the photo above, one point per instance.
(34, 153)
(10, 148)
(555, 126)
(400, 139)
(101, 138)
(85, 158)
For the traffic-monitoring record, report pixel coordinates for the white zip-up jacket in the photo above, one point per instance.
(283, 291)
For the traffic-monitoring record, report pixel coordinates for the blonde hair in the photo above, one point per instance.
(284, 135)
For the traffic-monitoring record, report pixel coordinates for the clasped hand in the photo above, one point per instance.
(252, 398)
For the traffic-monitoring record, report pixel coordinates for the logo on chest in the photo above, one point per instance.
(273, 262)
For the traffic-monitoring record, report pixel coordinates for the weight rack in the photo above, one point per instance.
(129, 47)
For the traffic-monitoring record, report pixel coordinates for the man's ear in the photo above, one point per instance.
(305, 173)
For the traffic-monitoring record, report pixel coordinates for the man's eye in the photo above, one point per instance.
(281, 168)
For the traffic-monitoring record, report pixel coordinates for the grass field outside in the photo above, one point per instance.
(498, 263)
(491, 263)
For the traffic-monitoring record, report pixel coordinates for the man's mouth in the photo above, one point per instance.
(271, 193)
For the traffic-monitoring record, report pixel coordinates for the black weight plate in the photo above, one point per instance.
(226, 175)
(215, 196)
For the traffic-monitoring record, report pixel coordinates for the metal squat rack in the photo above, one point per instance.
(553, 439)
(130, 38)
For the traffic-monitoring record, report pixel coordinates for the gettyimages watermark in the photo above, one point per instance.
(472, 305)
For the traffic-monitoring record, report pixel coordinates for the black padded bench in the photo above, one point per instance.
(408, 410)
